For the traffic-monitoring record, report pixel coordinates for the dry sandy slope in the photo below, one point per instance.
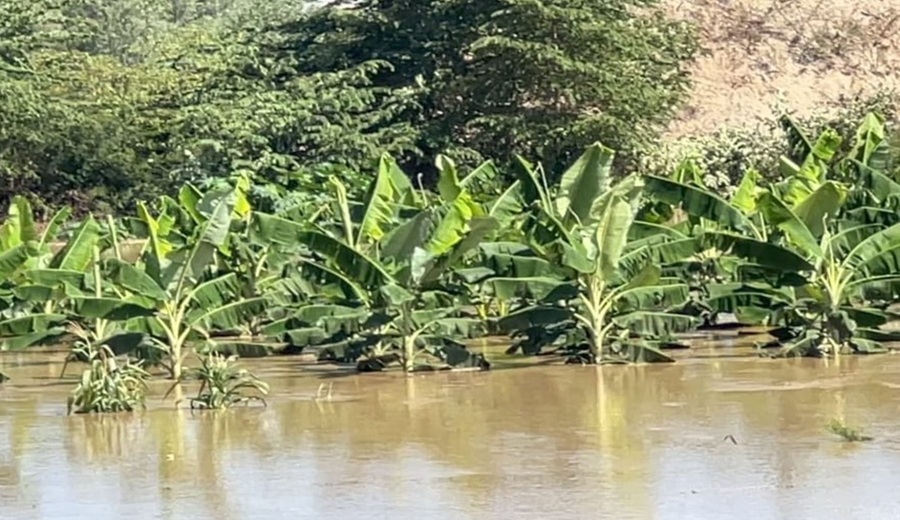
(803, 55)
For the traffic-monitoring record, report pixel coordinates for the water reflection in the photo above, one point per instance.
(542, 442)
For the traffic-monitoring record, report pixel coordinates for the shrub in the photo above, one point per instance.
(107, 385)
(724, 156)
(222, 383)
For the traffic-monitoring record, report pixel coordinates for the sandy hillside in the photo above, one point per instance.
(802, 54)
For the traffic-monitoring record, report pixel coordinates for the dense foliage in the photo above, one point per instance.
(104, 102)
(496, 77)
(724, 155)
(588, 269)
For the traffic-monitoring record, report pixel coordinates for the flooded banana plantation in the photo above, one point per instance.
(574, 344)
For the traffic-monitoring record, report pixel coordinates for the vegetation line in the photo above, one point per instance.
(593, 268)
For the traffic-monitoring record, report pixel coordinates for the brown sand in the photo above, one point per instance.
(804, 55)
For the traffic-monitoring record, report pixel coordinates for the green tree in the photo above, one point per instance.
(543, 78)
(103, 103)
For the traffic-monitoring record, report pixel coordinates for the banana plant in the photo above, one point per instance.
(491, 260)
(19, 230)
(307, 301)
(388, 271)
(870, 168)
(832, 299)
(580, 233)
(33, 278)
(742, 237)
(190, 298)
(18, 237)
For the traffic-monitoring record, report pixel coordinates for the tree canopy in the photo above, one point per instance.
(542, 78)
(106, 101)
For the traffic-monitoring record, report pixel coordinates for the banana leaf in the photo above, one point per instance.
(474, 275)
(305, 337)
(747, 193)
(321, 274)
(762, 253)
(777, 213)
(358, 267)
(12, 259)
(869, 148)
(536, 316)
(878, 183)
(520, 266)
(78, 253)
(448, 179)
(612, 234)
(652, 297)
(135, 280)
(30, 339)
(115, 309)
(31, 323)
(532, 289)
(507, 206)
(697, 202)
(56, 278)
(821, 204)
(412, 234)
(379, 206)
(879, 247)
(19, 227)
(229, 316)
(656, 324)
(583, 183)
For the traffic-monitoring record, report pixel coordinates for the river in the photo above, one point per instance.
(624, 442)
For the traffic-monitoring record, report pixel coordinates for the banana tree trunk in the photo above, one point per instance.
(596, 317)
(409, 351)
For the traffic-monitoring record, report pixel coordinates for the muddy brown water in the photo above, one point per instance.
(641, 442)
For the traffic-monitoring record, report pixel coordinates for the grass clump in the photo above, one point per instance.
(107, 385)
(847, 433)
(223, 384)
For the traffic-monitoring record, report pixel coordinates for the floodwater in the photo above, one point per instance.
(542, 442)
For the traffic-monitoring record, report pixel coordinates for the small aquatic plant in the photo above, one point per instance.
(222, 383)
(107, 385)
(847, 433)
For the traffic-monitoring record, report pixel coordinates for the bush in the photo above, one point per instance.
(108, 385)
(724, 156)
(222, 383)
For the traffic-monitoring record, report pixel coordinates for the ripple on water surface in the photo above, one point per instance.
(707, 439)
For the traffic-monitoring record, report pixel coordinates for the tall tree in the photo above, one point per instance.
(495, 77)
